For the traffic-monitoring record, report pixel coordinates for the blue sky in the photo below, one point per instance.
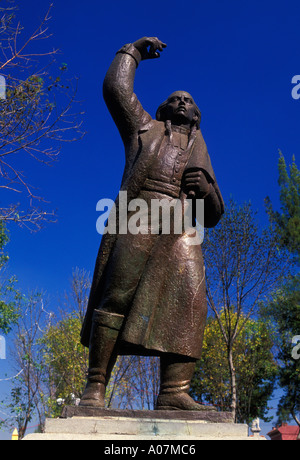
(237, 58)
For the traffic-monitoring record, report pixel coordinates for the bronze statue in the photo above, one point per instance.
(148, 292)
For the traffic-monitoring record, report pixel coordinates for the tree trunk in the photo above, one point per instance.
(297, 420)
(232, 383)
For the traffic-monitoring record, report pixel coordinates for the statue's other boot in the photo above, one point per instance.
(102, 357)
(176, 374)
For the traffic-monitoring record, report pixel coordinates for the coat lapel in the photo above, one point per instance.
(150, 138)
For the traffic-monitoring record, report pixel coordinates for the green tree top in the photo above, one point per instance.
(284, 307)
(287, 221)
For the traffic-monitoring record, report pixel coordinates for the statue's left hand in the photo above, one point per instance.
(149, 47)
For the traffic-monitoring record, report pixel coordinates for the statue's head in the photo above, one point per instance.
(180, 109)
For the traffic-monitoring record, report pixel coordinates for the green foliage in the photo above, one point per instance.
(66, 361)
(9, 296)
(287, 222)
(284, 309)
(254, 366)
(27, 108)
(20, 408)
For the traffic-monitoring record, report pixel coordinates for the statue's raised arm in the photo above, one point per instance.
(118, 93)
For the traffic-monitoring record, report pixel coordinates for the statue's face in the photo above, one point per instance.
(181, 108)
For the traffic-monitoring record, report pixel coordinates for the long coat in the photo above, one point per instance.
(168, 312)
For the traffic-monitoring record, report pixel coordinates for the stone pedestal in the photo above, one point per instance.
(89, 423)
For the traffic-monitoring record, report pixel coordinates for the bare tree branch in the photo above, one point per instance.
(35, 116)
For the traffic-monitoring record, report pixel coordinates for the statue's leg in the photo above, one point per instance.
(124, 270)
(102, 356)
(176, 374)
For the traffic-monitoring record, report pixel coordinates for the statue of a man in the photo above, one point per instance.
(148, 293)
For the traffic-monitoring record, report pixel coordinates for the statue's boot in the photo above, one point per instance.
(176, 374)
(102, 357)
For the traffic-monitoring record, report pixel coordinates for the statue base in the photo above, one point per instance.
(90, 423)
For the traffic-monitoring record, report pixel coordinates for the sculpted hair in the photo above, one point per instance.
(161, 113)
